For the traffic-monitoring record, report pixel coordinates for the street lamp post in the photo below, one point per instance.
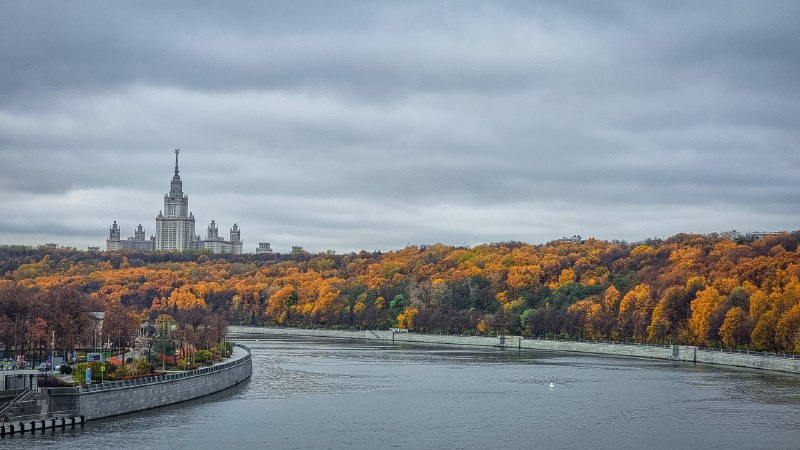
(163, 354)
(53, 352)
(17, 338)
(164, 346)
(119, 345)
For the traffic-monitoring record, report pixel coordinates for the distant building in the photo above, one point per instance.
(136, 242)
(263, 248)
(576, 239)
(734, 235)
(16, 247)
(51, 245)
(113, 241)
(216, 244)
(759, 234)
(175, 224)
(175, 228)
(297, 249)
(93, 248)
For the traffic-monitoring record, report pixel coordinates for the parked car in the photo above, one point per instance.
(44, 367)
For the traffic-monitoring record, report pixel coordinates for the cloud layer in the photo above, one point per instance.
(372, 125)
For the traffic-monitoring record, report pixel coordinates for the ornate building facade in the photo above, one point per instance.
(175, 224)
(216, 244)
(175, 228)
(136, 242)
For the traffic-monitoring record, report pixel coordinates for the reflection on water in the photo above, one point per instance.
(307, 393)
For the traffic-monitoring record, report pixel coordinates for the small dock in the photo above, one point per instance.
(22, 427)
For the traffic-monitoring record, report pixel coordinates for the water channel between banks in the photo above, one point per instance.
(685, 353)
(308, 392)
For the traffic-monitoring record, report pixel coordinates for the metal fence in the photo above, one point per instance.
(641, 344)
(749, 352)
(702, 349)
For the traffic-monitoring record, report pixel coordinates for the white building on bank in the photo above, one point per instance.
(216, 244)
(175, 224)
(136, 242)
(175, 228)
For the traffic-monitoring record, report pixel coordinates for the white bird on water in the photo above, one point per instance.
(552, 385)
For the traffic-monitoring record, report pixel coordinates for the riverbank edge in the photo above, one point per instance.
(679, 353)
(123, 397)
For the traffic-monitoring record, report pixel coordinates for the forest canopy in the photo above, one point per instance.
(691, 289)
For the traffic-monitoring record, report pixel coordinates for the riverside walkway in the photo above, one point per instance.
(68, 407)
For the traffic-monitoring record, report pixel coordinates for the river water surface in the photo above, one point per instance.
(312, 393)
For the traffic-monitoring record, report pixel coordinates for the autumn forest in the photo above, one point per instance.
(691, 289)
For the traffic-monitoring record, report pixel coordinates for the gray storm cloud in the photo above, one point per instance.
(375, 125)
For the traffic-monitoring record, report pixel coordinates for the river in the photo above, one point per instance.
(322, 393)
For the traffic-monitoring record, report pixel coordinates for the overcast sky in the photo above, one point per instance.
(374, 125)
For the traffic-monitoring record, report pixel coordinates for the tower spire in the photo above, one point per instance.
(177, 150)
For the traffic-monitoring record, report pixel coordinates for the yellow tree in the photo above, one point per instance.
(183, 298)
(635, 311)
(668, 315)
(599, 321)
(763, 336)
(566, 277)
(521, 276)
(659, 324)
(703, 308)
(406, 318)
(611, 299)
(279, 303)
(731, 329)
(328, 292)
(590, 318)
(759, 304)
(787, 330)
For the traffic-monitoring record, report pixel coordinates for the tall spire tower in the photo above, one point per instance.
(175, 224)
(175, 227)
(176, 187)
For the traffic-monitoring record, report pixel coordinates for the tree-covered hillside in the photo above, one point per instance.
(689, 288)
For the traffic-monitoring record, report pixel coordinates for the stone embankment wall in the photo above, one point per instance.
(664, 352)
(122, 397)
(755, 361)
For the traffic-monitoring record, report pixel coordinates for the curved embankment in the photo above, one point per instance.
(665, 352)
(122, 397)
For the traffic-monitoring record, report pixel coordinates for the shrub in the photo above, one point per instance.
(135, 369)
(143, 367)
(203, 356)
(79, 372)
(139, 368)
